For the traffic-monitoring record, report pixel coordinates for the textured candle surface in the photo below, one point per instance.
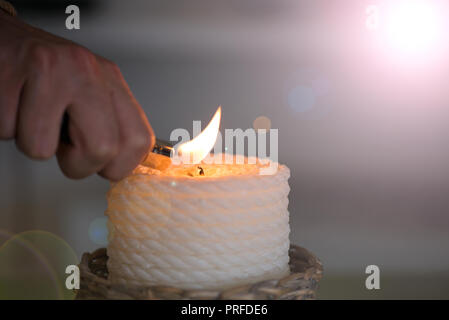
(211, 227)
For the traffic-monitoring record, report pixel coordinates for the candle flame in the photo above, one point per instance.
(200, 146)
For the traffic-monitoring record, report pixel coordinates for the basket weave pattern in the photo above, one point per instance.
(301, 283)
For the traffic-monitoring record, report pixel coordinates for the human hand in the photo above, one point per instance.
(44, 78)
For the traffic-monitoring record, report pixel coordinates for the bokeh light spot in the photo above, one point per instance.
(98, 231)
(4, 236)
(302, 98)
(262, 122)
(32, 266)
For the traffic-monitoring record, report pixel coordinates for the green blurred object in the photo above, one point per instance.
(32, 266)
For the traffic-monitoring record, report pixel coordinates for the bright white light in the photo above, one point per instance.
(413, 26)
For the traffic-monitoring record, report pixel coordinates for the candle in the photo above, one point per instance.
(199, 226)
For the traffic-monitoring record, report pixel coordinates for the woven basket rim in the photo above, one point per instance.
(301, 283)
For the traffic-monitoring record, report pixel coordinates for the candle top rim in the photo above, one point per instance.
(250, 167)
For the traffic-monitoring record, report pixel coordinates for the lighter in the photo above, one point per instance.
(163, 147)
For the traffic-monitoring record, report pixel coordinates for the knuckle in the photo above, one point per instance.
(112, 70)
(103, 149)
(142, 141)
(79, 53)
(80, 58)
(115, 69)
(110, 64)
(112, 175)
(70, 171)
(41, 55)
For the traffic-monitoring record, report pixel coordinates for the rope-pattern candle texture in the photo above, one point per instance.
(227, 227)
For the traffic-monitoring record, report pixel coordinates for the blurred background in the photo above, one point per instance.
(363, 121)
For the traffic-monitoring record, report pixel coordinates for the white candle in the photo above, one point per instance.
(226, 228)
(204, 226)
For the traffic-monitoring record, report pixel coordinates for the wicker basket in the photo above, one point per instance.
(306, 271)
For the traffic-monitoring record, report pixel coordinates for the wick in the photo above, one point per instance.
(201, 171)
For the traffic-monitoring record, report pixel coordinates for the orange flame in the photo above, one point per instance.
(200, 146)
